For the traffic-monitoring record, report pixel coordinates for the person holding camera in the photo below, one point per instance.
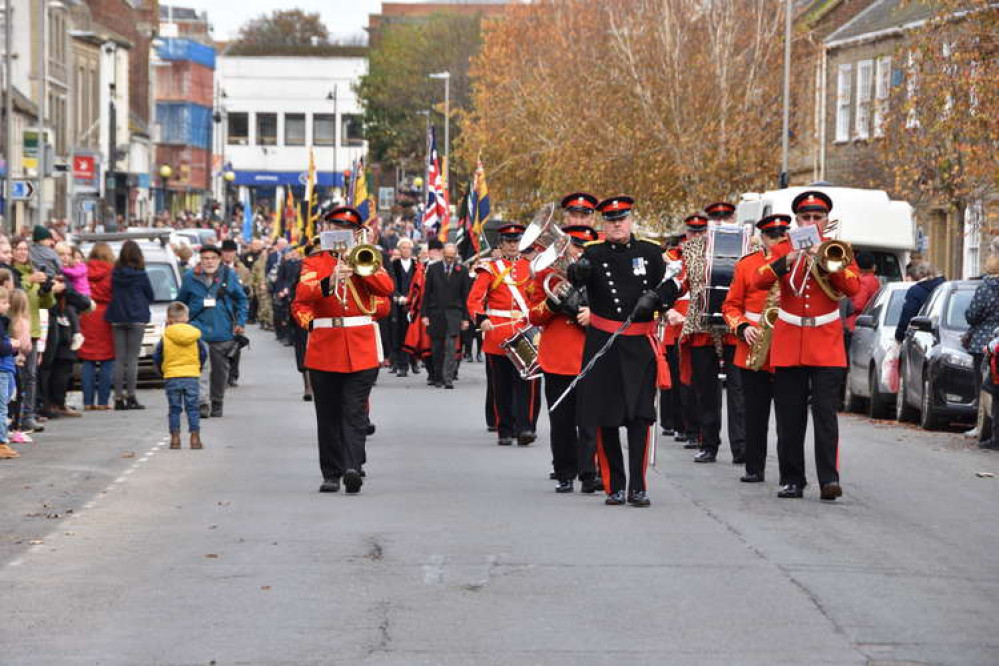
(218, 308)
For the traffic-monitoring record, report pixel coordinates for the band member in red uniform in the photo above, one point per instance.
(675, 402)
(623, 278)
(501, 293)
(743, 309)
(344, 351)
(720, 212)
(807, 353)
(560, 354)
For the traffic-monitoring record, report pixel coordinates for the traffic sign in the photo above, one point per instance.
(21, 190)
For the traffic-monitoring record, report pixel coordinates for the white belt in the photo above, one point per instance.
(810, 322)
(754, 317)
(509, 314)
(341, 322)
(685, 297)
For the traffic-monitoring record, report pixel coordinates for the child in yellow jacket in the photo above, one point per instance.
(180, 356)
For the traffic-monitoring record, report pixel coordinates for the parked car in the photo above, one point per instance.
(936, 374)
(164, 274)
(873, 337)
(198, 237)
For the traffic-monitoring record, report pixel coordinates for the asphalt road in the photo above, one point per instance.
(116, 550)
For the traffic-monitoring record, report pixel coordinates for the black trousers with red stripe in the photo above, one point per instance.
(758, 388)
(794, 388)
(612, 458)
(515, 401)
(573, 447)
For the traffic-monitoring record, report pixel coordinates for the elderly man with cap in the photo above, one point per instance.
(501, 293)
(218, 308)
(623, 277)
(562, 318)
(807, 353)
(744, 308)
(341, 309)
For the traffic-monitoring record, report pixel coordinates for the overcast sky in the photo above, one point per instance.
(342, 17)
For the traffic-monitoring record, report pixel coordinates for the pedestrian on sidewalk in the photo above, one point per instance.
(97, 352)
(8, 353)
(218, 308)
(20, 329)
(128, 314)
(180, 356)
(38, 287)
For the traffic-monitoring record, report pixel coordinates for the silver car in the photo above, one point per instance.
(873, 337)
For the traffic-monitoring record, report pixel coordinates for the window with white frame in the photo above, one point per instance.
(912, 90)
(843, 103)
(865, 81)
(882, 87)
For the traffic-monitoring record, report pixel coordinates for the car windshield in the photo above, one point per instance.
(895, 304)
(164, 282)
(886, 266)
(956, 305)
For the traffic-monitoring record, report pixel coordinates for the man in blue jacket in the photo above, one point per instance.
(218, 307)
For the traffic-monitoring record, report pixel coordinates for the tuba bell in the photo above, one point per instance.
(545, 232)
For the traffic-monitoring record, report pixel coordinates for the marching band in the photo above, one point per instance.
(605, 324)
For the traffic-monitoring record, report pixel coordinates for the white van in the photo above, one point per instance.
(868, 220)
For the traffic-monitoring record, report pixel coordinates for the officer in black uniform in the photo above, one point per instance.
(623, 276)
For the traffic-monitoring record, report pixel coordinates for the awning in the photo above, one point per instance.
(275, 178)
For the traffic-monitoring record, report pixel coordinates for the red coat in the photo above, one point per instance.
(341, 349)
(98, 343)
(869, 285)
(560, 350)
(794, 345)
(417, 341)
(493, 291)
(744, 298)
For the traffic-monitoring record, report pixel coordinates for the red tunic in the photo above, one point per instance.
(339, 348)
(560, 350)
(795, 345)
(492, 295)
(745, 303)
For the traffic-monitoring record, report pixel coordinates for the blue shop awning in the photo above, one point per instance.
(275, 178)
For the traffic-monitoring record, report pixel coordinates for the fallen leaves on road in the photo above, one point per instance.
(212, 556)
(128, 454)
(224, 503)
(985, 475)
(36, 542)
(265, 587)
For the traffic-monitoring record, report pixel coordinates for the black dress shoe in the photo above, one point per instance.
(363, 474)
(216, 408)
(615, 498)
(307, 397)
(552, 475)
(692, 443)
(352, 481)
(232, 383)
(478, 357)
(490, 428)
(448, 385)
(705, 456)
(330, 486)
(667, 432)
(401, 373)
(526, 438)
(120, 405)
(564, 487)
(830, 492)
(505, 441)
(415, 370)
(738, 460)
(204, 410)
(132, 403)
(438, 384)
(752, 477)
(370, 430)
(680, 436)
(639, 498)
(790, 490)
(590, 486)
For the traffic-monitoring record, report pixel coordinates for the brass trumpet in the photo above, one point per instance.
(365, 259)
(833, 256)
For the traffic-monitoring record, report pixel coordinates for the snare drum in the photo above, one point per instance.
(522, 350)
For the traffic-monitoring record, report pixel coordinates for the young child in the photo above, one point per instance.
(8, 352)
(991, 387)
(180, 355)
(19, 316)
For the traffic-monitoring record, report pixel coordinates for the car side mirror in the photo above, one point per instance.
(921, 324)
(865, 321)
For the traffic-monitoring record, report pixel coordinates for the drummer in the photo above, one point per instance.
(501, 293)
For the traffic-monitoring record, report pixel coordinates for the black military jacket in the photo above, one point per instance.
(621, 273)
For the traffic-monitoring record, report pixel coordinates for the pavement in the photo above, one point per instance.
(116, 550)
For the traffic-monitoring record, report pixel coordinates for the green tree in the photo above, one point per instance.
(397, 88)
(282, 27)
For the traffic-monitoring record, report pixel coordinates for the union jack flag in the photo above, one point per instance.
(437, 211)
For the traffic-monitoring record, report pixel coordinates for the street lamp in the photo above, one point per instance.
(446, 77)
(332, 97)
(228, 176)
(165, 171)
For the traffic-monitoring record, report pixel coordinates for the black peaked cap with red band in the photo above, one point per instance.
(511, 231)
(719, 209)
(580, 234)
(580, 202)
(344, 216)
(696, 222)
(616, 208)
(774, 223)
(812, 201)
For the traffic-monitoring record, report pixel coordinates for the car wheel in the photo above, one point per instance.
(903, 412)
(878, 407)
(927, 419)
(851, 402)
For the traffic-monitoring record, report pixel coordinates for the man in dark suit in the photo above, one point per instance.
(402, 270)
(445, 312)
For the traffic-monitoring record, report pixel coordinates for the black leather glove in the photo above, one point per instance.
(569, 304)
(668, 293)
(647, 303)
(579, 271)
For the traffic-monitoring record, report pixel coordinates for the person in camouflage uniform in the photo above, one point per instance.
(260, 287)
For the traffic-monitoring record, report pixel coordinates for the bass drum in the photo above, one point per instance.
(727, 243)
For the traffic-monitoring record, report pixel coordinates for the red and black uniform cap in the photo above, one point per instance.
(696, 222)
(812, 201)
(616, 208)
(344, 216)
(511, 231)
(774, 223)
(580, 202)
(719, 209)
(580, 234)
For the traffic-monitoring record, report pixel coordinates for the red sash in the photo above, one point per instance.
(646, 328)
